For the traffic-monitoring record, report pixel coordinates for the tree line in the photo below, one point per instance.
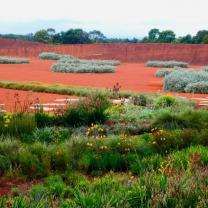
(79, 36)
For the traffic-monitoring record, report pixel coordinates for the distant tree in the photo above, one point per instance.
(185, 39)
(45, 36)
(97, 36)
(205, 39)
(75, 36)
(153, 35)
(145, 40)
(42, 36)
(199, 38)
(134, 40)
(51, 31)
(166, 36)
(57, 38)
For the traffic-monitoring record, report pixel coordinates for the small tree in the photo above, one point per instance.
(97, 36)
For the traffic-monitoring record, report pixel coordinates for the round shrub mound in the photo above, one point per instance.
(68, 65)
(13, 60)
(198, 87)
(53, 56)
(163, 72)
(178, 80)
(93, 61)
(82, 68)
(167, 64)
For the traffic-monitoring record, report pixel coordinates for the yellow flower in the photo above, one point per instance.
(7, 121)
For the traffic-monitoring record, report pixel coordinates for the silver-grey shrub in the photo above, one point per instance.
(53, 56)
(82, 68)
(167, 64)
(13, 60)
(198, 87)
(75, 65)
(163, 72)
(85, 61)
(179, 79)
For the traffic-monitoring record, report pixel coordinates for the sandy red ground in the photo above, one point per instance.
(131, 76)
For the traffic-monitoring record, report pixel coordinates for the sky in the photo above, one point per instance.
(115, 18)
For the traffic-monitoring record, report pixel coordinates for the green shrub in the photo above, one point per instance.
(166, 141)
(167, 64)
(142, 165)
(43, 119)
(88, 111)
(53, 56)
(38, 191)
(198, 87)
(178, 80)
(188, 119)
(5, 164)
(165, 101)
(61, 89)
(168, 120)
(17, 124)
(50, 135)
(140, 100)
(34, 161)
(11, 60)
(163, 72)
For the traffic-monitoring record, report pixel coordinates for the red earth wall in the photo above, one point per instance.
(133, 52)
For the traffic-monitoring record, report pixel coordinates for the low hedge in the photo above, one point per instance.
(53, 56)
(13, 60)
(82, 68)
(167, 64)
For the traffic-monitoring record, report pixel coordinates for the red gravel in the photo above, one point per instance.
(131, 76)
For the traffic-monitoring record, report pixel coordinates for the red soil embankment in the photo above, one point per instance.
(131, 52)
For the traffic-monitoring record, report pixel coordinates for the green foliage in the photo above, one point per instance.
(200, 37)
(165, 101)
(167, 141)
(43, 119)
(61, 89)
(12, 60)
(17, 124)
(140, 100)
(188, 119)
(88, 111)
(167, 64)
(157, 36)
(75, 36)
(50, 135)
(44, 36)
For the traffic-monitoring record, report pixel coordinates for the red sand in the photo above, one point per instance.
(131, 76)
